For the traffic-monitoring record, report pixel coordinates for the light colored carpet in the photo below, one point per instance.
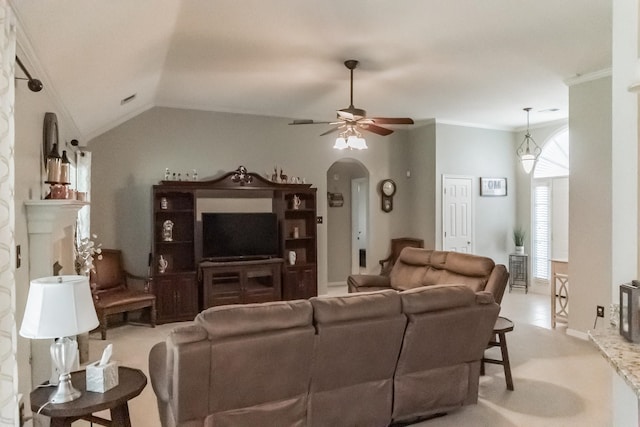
(559, 380)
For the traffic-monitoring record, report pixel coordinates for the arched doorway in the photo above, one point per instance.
(347, 219)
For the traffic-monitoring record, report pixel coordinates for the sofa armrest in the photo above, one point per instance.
(158, 371)
(497, 282)
(367, 283)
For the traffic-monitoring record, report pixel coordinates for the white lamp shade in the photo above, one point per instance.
(58, 306)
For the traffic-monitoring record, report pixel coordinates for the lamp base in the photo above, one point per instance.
(63, 353)
(65, 392)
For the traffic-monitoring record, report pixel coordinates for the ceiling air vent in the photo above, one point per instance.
(128, 99)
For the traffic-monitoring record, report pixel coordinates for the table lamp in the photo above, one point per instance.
(60, 307)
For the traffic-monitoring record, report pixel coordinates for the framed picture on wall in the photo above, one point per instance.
(493, 186)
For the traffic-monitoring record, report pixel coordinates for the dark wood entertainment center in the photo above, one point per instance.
(184, 284)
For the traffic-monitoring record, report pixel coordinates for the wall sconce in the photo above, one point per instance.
(34, 84)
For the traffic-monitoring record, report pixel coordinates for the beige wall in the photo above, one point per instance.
(480, 153)
(132, 157)
(589, 200)
(422, 184)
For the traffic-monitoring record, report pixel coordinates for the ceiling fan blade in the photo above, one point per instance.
(330, 131)
(393, 120)
(377, 129)
(307, 122)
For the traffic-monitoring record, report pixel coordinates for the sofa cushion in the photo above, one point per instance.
(468, 264)
(447, 332)
(358, 340)
(409, 269)
(434, 276)
(187, 334)
(418, 256)
(436, 297)
(260, 362)
(363, 305)
(234, 320)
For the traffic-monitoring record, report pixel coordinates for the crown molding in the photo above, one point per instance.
(472, 125)
(583, 78)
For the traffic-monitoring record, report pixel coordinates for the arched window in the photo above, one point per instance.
(554, 159)
(550, 204)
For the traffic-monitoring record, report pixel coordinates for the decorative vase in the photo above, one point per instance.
(163, 264)
(167, 231)
(295, 204)
(520, 250)
(292, 257)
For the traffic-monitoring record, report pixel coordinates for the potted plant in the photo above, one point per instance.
(519, 235)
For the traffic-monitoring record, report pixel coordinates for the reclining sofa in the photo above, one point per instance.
(365, 359)
(416, 267)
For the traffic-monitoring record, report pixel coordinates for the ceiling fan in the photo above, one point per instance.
(352, 119)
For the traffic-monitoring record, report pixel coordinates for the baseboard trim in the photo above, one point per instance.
(336, 284)
(578, 334)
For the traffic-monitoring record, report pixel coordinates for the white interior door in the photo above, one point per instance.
(457, 213)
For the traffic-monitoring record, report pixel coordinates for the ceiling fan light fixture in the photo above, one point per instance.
(528, 151)
(340, 144)
(351, 139)
(357, 143)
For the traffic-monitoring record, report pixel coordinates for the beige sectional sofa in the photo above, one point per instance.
(365, 359)
(416, 267)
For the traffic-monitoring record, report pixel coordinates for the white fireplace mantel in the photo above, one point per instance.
(43, 216)
(46, 222)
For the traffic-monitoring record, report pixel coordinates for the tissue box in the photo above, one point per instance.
(102, 378)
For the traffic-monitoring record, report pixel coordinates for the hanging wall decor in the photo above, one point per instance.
(336, 200)
(493, 186)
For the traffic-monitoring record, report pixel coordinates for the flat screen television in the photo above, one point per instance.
(239, 235)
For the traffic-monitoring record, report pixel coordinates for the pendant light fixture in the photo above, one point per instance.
(528, 151)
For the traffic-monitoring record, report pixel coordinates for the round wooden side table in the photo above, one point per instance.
(131, 382)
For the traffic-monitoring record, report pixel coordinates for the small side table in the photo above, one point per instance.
(131, 383)
(519, 271)
(502, 326)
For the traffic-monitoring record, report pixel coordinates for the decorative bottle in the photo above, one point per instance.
(65, 169)
(53, 165)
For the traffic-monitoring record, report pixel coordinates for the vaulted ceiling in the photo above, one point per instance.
(463, 61)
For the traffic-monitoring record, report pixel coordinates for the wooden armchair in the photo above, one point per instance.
(111, 293)
(396, 247)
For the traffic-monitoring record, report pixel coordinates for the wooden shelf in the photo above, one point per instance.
(180, 199)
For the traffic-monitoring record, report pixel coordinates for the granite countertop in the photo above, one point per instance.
(623, 356)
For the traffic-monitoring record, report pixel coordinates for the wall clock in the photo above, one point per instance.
(387, 190)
